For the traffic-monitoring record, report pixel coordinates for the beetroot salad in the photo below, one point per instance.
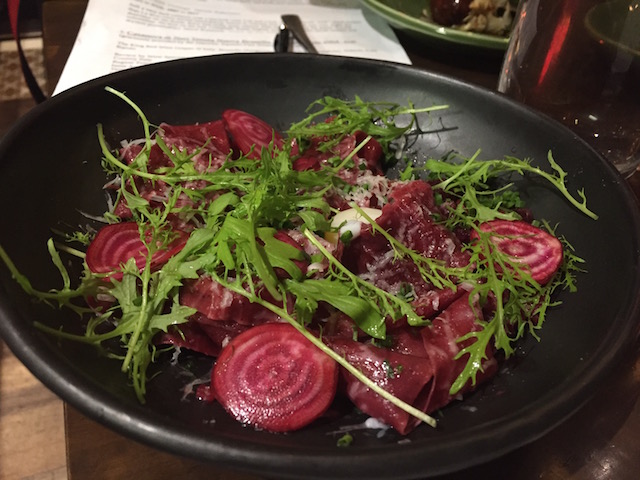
(304, 273)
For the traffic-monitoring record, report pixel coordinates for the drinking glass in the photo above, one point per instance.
(578, 61)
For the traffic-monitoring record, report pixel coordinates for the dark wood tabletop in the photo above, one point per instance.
(600, 441)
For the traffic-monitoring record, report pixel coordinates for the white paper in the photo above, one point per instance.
(120, 34)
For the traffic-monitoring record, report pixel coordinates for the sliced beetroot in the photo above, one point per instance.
(115, 244)
(539, 252)
(273, 378)
(249, 133)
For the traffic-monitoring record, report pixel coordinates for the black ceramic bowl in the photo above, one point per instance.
(50, 170)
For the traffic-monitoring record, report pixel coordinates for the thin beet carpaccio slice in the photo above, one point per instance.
(273, 378)
(115, 244)
(249, 133)
(539, 252)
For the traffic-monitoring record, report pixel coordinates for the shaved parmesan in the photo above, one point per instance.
(352, 214)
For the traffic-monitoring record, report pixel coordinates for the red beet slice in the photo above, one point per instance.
(250, 133)
(115, 244)
(273, 378)
(535, 249)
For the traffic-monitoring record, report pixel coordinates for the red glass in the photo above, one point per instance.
(579, 62)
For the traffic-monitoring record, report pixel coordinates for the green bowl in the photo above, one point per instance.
(407, 16)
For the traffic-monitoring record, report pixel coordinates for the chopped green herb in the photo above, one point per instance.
(345, 440)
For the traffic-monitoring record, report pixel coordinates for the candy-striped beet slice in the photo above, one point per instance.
(115, 244)
(250, 133)
(534, 248)
(273, 378)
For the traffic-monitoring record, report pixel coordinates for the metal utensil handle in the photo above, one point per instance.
(294, 25)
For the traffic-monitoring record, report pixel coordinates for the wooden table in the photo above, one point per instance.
(601, 441)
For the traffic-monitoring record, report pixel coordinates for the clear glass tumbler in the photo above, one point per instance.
(578, 61)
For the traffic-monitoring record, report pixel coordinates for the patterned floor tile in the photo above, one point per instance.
(12, 84)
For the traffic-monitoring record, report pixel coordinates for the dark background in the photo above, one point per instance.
(30, 19)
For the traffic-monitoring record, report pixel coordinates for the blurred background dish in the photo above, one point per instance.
(413, 18)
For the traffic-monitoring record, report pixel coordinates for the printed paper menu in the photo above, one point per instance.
(121, 34)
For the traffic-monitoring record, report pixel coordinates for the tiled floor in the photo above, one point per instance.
(15, 98)
(12, 84)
